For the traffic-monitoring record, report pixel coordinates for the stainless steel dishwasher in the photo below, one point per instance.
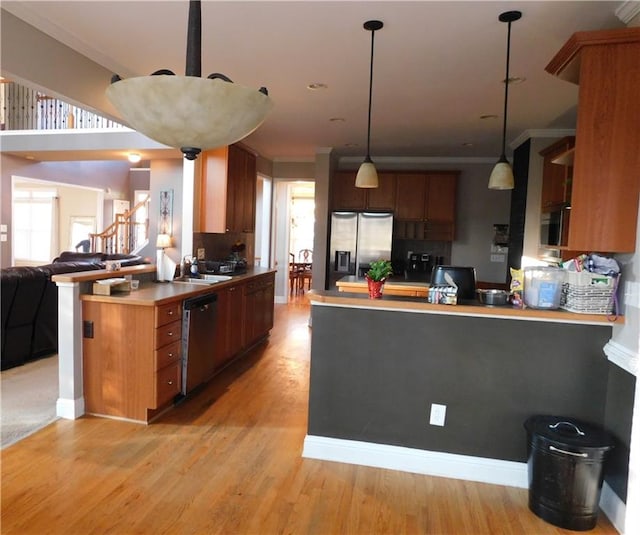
(198, 324)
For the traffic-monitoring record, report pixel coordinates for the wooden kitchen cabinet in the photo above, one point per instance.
(132, 364)
(258, 309)
(345, 196)
(227, 190)
(382, 198)
(605, 187)
(229, 335)
(426, 205)
(557, 176)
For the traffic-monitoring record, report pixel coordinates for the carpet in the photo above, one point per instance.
(29, 395)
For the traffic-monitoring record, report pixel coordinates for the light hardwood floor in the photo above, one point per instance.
(228, 461)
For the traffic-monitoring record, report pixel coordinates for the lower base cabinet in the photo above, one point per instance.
(132, 360)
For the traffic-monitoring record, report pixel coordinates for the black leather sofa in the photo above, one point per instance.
(29, 304)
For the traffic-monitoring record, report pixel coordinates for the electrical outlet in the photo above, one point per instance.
(497, 258)
(200, 253)
(438, 414)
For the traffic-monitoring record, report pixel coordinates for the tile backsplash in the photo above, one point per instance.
(219, 246)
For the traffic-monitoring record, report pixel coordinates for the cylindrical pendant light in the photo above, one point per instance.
(367, 176)
(502, 174)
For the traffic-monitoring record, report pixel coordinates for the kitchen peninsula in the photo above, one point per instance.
(128, 353)
(378, 365)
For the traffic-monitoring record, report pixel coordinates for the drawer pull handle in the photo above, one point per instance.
(553, 448)
(170, 312)
(170, 355)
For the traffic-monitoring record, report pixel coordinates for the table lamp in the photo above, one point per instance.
(162, 242)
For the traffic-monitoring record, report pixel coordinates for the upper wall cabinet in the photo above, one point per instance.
(605, 188)
(345, 195)
(228, 190)
(557, 174)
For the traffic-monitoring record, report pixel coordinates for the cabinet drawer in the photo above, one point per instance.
(167, 334)
(167, 383)
(167, 355)
(168, 313)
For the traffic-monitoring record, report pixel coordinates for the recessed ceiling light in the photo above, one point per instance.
(29, 157)
(488, 116)
(317, 85)
(351, 145)
(134, 157)
(336, 120)
(467, 144)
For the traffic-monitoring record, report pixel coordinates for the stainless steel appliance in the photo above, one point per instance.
(552, 227)
(419, 267)
(198, 324)
(357, 239)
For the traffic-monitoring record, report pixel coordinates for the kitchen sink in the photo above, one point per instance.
(205, 279)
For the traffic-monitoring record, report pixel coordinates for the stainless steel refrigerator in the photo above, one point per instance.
(357, 239)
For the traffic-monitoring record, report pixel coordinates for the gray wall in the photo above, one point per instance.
(375, 374)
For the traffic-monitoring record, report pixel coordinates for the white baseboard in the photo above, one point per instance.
(484, 470)
(613, 507)
(71, 409)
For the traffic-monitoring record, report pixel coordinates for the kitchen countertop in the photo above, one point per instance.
(393, 286)
(409, 304)
(158, 293)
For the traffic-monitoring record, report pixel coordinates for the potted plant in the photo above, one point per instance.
(376, 276)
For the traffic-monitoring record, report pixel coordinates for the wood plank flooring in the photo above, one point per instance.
(228, 461)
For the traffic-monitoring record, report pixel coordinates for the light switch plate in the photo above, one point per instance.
(3, 228)
(3, 237)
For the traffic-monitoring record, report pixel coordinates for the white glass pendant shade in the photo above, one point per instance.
(189, 111)
(501, 176)
(367, 176)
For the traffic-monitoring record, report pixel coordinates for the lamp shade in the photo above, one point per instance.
(188, 111)
(502, 175)
(367, 176)
(163, 241)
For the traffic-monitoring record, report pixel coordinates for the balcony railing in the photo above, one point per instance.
(24, 108)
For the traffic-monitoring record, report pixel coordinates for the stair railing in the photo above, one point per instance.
(127, 234)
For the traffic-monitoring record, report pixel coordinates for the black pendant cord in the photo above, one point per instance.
(194, 40)
(368, 157)
(506, 95)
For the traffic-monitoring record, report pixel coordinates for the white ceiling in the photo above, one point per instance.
(438, 65)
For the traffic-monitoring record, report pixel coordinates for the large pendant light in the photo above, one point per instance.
(502, 174)
(189, 112)
(367, 176)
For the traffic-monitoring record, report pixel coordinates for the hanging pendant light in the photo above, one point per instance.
(189, 112)
(502, 174)
(367, 176)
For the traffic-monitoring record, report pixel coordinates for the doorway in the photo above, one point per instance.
(293, 223)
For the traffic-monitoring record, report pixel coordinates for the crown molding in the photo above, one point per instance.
(628, 11)
(542, 133)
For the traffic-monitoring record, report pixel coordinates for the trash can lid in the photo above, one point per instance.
(560, 430)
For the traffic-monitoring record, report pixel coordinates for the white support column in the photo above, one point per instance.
(70, 404)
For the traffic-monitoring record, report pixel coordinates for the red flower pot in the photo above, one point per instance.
(375, 288)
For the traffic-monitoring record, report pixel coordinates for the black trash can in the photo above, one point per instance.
(565, 459)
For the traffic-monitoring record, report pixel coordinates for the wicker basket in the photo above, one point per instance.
(588, 293)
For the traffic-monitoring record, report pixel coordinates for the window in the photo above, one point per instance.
(34, 225)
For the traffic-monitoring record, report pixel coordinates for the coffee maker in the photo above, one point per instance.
(419, 267)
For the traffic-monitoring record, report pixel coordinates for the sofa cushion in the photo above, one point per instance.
(72, 256)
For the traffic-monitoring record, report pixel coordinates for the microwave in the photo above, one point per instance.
(552, 228)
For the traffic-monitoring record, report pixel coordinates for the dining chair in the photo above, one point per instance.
(305, 260)
(293, 273)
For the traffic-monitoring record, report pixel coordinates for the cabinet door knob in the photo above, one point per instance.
(170, 312)
(170, 355)
(169, 333)
(170, 383)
